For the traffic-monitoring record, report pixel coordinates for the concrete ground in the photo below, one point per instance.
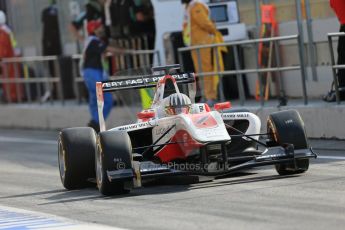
(253, 199)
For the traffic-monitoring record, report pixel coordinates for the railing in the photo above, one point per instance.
(129, 59)
(238, 71)
(15, 71)
(334, 65)
(125, 60)
(18, 72)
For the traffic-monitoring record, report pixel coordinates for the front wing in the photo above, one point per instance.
(150, 170)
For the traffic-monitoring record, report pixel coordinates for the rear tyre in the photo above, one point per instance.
(76, 152)
(114, 151)
(287, 127)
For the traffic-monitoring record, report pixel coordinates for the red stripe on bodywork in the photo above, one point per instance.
(163, 80)
(186, 144)
(99, 91)
(203, 120)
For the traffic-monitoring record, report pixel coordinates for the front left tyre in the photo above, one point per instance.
(114, 153)
(76, 155)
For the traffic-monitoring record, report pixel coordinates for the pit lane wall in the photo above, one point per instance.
(321, 120)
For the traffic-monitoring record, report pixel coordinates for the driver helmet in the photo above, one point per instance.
(177, 103)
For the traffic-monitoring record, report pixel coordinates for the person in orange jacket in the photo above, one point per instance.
(7, 44)
(198, 29)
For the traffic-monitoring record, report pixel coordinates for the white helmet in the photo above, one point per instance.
(2, 18)
(177, 103)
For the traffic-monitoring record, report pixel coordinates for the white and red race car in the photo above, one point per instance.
(178, 137)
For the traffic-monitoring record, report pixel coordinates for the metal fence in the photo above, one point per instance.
(335, 66)
(238, 71)
(48, 71)
(38, 79)
(29, 79)
(124, 63)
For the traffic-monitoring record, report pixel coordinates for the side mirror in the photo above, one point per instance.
(222, 106)
(146, 115)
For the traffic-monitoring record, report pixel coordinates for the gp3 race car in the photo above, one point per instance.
(177, 136)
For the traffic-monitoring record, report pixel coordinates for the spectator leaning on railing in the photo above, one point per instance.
(339, 9)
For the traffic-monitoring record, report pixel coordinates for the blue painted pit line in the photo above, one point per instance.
(13, 220)
(18, 219)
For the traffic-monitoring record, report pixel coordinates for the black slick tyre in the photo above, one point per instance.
(287, 127)
(76, 151)
(113, 153)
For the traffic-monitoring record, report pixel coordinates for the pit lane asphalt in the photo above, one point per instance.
(255, 199)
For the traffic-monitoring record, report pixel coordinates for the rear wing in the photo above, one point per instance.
(141, 82)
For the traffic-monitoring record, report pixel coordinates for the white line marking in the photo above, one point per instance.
(36, 220)
(27, 140)
(331, 157)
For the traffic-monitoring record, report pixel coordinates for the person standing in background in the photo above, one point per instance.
(94, 10)
(8, 30)
(143, 22)
(93, 70)
(339, 8)
(51, 42)
(198, 29)
(7, 50)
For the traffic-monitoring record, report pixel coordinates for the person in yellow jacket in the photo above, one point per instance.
(198, 29)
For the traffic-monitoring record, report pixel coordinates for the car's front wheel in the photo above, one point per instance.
(287, 127)
(113, 153)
